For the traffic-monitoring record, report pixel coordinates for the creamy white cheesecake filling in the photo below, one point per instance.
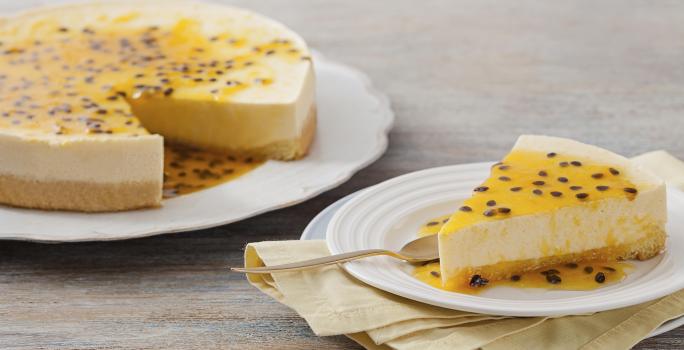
(592, 225)
(97, 159)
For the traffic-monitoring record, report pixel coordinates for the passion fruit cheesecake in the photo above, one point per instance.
(90, 92)
(552, 201)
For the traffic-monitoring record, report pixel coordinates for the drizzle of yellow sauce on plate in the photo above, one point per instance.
(433, 226)
(188, 169)
(581, 276)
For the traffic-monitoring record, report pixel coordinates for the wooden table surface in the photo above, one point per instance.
(465, 79)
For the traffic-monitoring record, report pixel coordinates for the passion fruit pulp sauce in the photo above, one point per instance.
(188, 169)
(580, 276)
(82, 80)
(527, 182)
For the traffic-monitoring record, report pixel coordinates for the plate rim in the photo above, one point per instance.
(386, 119)
(472, 305)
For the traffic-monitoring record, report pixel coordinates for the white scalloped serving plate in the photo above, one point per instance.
(389, 214)
(353, 122)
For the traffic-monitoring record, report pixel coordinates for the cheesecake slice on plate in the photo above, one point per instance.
(553, 201)
(90, 92)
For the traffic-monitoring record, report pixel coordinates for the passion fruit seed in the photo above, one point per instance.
(597, 175)
(551, 154)
(630, 190)
(432, 223)
(553, 279)
(435, 273)
(491, 203)
(538, 192)
(539, 183)
(516, 189)
(600, 277)
(602, 188)
(481, 189)
(614, 171)
(504, 210)
(465, 208)
(575, 188)
(576, 163)
(478, 281)
(563, 179)
(563, 164)
(582, 195)
(543, 173)
(588, 269)
(515, 278)
(556, 193)
(489, 212)
(571, 265)
(504, 178)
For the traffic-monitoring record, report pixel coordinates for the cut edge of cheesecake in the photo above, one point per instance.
(498, 249)
(62, 174)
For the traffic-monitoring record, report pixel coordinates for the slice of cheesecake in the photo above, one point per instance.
(552, 201)
(89, 93)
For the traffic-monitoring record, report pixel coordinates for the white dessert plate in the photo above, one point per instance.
(316, 230)
(389, 214)
(354, 120)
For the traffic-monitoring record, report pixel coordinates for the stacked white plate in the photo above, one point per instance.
(389, 214)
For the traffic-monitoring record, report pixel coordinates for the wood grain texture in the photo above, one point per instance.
(465, 79)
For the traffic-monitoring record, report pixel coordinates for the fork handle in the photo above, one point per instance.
(307, 264)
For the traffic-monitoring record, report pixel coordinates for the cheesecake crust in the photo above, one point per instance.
(642, 249)
(77, 195)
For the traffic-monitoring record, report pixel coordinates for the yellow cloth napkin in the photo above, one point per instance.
(333, 302)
